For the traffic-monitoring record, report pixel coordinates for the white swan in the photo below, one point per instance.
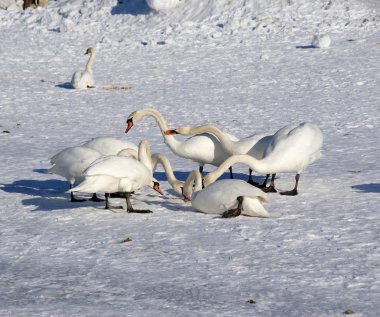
(292, 149)
(163, 5)
(114, 174)
(71, 162)
(158, 158)
(84, 79)
(176, 184)
(253, 145)
(226, 197)
(109, 145)
(204, 148)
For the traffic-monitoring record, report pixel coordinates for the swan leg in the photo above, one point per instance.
(72, 198)
(264, 184)
(108, 206)
(294, 191)
(201, 169)
(250, 179)
(234, 212)
(231, 174)
(271, 188)
(95, 198)
(130, 208)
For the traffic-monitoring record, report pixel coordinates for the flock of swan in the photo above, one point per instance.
(117, 167)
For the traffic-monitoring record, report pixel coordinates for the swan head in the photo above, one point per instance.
(180, 130)
(135, 116)
(90, 50)
(156, 186)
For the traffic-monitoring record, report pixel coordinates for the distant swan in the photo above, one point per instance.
(226, 197)
(84, 79)
(203, 148)
(292, 149)
(253, 145)
(114, 174)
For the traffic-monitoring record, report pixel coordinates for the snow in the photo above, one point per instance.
(244, 66)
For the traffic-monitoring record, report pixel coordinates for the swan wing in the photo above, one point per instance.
(109, 145)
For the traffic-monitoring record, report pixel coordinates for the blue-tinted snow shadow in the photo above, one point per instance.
(64, 85)
(48, 195)
(368, 188)
(133, 7)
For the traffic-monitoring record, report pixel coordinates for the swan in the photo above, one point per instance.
(84, 79)
(158, 158)
(109, 145)
(226, 197)
(204, 148)
(253, 145)
(292, 149)
(71, 162)
(176, 184)
(114, 174)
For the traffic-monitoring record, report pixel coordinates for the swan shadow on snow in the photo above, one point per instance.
(305, 47)
(64, 85)
(133, 7)
(368, 188)
(48, 195)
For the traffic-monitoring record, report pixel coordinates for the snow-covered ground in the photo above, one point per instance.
(245, 66)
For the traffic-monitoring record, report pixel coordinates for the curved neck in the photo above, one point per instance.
(144, 154)
(188, 185)
(207, 128)
(160, 158)
(90, 62)
(260, 166)
(169, 139)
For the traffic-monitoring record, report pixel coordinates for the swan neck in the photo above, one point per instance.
(145, 156)
(260, 166)
(160, 158)
(169, 139)
(90, 62)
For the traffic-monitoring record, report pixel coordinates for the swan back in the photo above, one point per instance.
(71, 162)
(109, 145)
(294, 147)
(222, 196)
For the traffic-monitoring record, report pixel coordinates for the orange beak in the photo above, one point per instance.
(170, 132)
(186, 199)
(157, 188)
(129, 125)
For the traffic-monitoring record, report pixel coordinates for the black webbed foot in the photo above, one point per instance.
(95, 198)
(292, 192)
(140, 211)
(269, 189)
(232, 213)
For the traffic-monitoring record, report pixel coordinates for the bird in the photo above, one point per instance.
(109, 145)
(253, 145)
(202, 148)
(158, 158)
(84, 79)
(176, 184)
(71, 162)
(292, 149)
(321, 41)
(121, 174)
(226, 197)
